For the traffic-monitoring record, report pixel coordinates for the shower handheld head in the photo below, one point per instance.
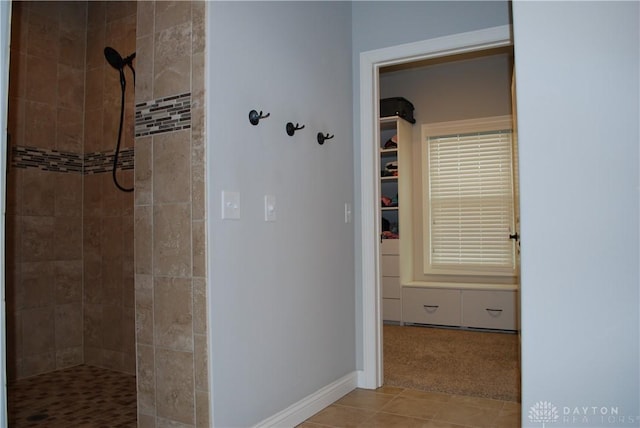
(114, 58)
(117, 62)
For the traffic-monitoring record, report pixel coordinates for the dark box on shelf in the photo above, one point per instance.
(397, 106)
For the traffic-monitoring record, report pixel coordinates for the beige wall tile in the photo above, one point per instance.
(146, 421)
(172, 240)
(128, 333)
(39, 187)
(13, 197)
(93, 130)
(41, 80)
(144, 309)
(67, 238)
(167, 423)
(172, 13)
(111, 197)
(70, 87)
(172, 55)
(173, 313)
(198, 13)
(112, 240)
(40, 320)
(92, 356)
(144, 67)
(113, 360)
(92, 196)
(143, 171)
(143, 242)
(175, 397)
(68, 325)
(37, 288)
(201, 363)
(96, 44)
(36, 364)
(69, 357)
(146, 18)
(92, 281)
(92, 326)
(202, 409)
(92, 233)
(96, 13)
(68, 195)
(172, 167)
(112, 327)
(43, 30)
(40, 125)
(112, 282)
(198, 199)
(146, 379)
(67, 279)
(70, 127)
(199, 305)
(199, 248)
(73, 42)
(94, 88)
(118, 9)
(37, 238)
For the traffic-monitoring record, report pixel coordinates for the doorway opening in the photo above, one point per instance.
(370, 64)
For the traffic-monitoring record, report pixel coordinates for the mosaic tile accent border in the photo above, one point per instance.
(54, 160)
(47, 160)
(95, 163)
(163, 115)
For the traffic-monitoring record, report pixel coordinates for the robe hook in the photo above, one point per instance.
(254, 116)
(291, 128)
(322, 138)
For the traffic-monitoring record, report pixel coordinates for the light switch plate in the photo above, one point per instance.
(230, 205)
(269, 208)
(347, 212)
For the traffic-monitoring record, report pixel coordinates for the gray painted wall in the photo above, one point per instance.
(282, 293)
(457, 90)
(578, 109)
(380, 24)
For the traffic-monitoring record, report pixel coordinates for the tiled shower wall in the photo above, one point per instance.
(69, 232)
(109, 305)
(170, 279)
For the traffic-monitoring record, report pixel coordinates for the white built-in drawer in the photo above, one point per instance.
(390, 265)
(390, 246)
(391, 309)
(430, 306)
(489, 309)
(391, 287)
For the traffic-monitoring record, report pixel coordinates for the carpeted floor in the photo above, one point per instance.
(475, 363)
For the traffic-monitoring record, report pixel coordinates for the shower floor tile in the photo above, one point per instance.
(81, 396)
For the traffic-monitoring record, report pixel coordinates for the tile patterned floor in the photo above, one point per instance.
(390, 407)
(91, 397)
(81, 396)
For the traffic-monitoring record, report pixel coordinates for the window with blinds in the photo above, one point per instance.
(469, 205)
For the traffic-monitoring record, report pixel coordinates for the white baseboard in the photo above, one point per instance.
(312, 404)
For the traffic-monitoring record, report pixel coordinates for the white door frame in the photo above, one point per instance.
(5, 36)
(371, 375)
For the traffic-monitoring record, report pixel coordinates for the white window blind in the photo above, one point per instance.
(470, 200)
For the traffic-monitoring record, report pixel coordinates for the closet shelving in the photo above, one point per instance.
(394, 164)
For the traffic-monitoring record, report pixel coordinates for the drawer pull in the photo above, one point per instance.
(494, 312)
(430, 308)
